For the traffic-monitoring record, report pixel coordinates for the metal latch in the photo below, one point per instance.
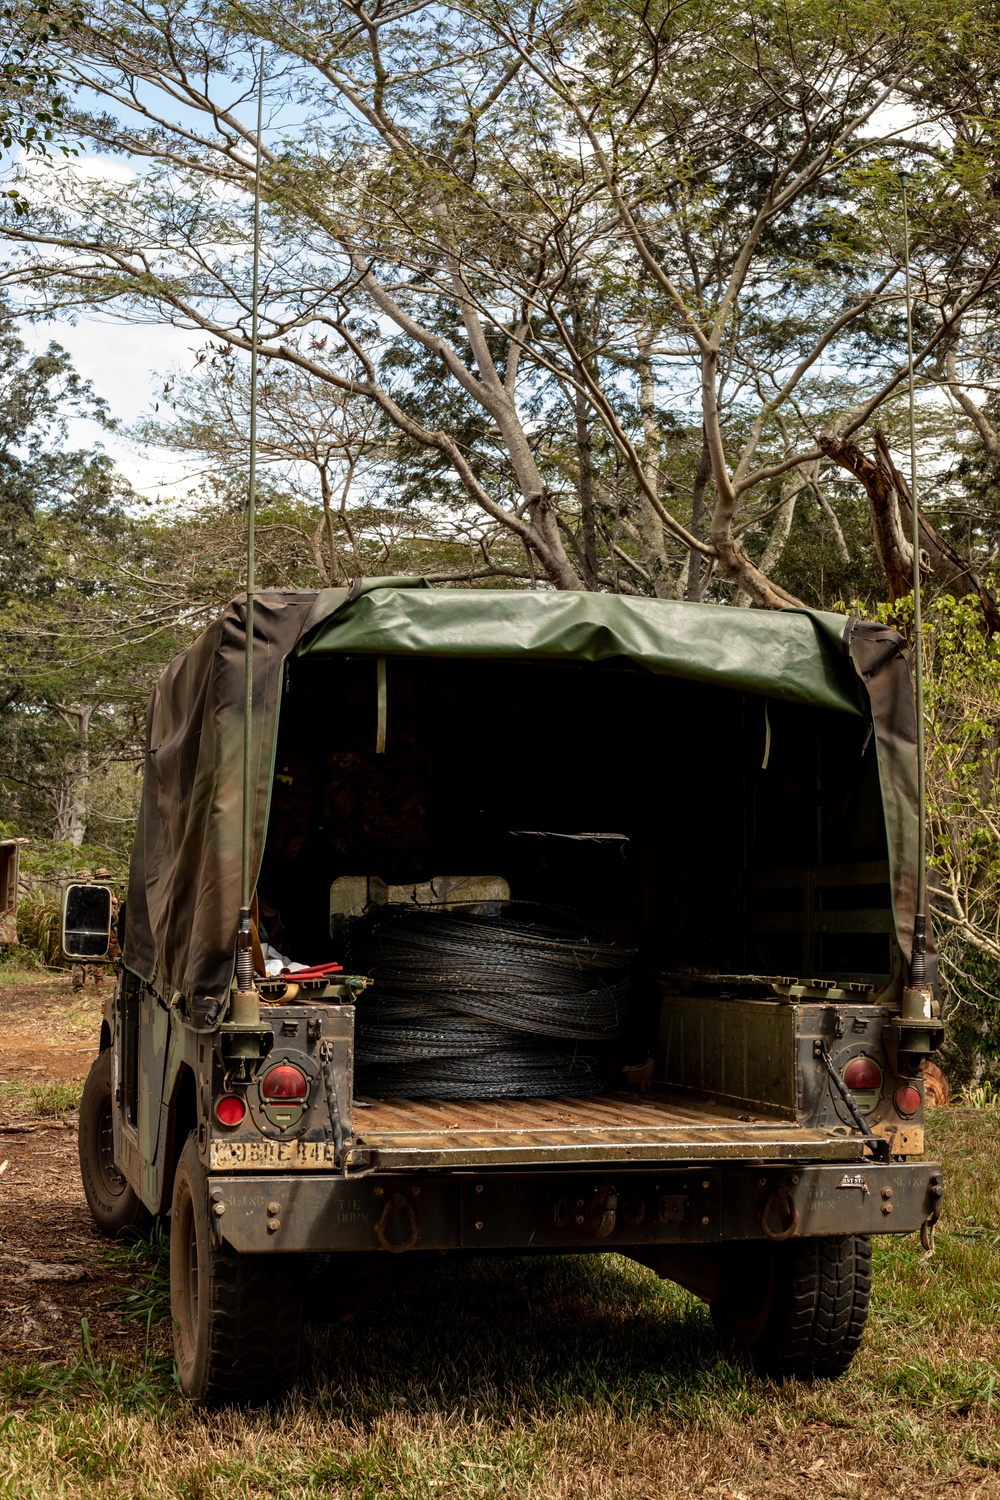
(330, 1083)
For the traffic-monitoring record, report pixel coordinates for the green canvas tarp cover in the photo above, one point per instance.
(184, 878)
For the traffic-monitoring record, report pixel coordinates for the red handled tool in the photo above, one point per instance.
(302, 976)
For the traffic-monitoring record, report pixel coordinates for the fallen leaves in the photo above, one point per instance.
(45, 1270)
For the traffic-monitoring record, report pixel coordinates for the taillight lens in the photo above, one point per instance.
(907, 1099)
(863, 1075)
(284, 1084)
(230, 1110)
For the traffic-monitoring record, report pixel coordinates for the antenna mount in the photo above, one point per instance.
(244, 948)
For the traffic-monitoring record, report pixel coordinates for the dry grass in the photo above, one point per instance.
(18, 968)
(551, 1379)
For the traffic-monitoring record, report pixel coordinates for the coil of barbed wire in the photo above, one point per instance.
(499, 1071)
(484, 1006)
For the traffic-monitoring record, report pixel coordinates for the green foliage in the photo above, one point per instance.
(962, 724)
(79, 650)
(32, 99)
(55, 1099)
(812, 566)
(49, 861)
(971, 989)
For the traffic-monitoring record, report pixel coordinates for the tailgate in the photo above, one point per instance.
(394, 1134)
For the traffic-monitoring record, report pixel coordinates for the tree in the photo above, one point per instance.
(518, 233)
(303, 427)
(963, 724)
(32, 105)
(76, 655)
(332, 505)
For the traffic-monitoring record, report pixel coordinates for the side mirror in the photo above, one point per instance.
(86, 922)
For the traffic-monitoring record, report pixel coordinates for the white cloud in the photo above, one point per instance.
(125, 362)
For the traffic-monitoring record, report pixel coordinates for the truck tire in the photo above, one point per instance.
(115, 1209)
(798, 1309)
(237, 1318)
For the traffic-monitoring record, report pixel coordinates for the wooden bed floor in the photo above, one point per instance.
(620, 1127)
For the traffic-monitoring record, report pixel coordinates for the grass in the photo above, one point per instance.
(82, 1013)
(551, 1379)
(149, 1303)
(20, 967)
(148, 1387)
(50, 1100)
(981, 1096)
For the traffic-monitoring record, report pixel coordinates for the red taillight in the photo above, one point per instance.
(230, 1109)
(285, 1084)
(863, 1075)
(908, 1099)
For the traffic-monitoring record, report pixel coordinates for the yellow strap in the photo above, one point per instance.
(382, 703)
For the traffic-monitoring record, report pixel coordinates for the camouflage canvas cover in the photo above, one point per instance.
(184, 880)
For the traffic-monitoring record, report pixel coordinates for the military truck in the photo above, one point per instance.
(729, 796)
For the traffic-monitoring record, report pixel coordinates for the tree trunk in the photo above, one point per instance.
(650, 527)
(584, 453)
(585, 463)
(832, 520)
(71, 800)
(892, 548)
(892, 525)
(954, 571)
(333, 572)
(792, 486)
(699, 569)
(732, 559)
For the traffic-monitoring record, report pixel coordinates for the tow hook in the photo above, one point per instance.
(782, 1198)
(215, 1218)
(602, 1212)
(935, 1190)
(398, 1203)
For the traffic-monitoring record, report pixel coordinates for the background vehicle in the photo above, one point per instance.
(10, 850)
(726, 798)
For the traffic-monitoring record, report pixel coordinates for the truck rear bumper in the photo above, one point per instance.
(605, 1208)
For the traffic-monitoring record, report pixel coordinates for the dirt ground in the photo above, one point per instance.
(51, 1274)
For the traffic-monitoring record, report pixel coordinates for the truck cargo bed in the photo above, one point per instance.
(664, 1126)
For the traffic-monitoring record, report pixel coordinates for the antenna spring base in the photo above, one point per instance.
(918, 954)
(244, 951)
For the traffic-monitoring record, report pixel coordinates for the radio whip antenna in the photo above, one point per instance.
(918, 961)
(244, 944)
